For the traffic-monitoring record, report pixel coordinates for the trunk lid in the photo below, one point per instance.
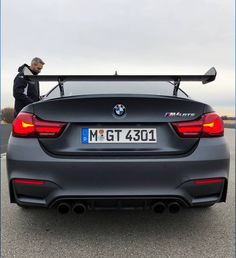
(97, 111)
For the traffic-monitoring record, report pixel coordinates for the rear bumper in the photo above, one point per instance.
(117, 178)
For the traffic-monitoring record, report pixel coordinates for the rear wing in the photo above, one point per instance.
(209, 76)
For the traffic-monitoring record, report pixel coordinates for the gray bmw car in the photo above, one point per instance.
(118, 142)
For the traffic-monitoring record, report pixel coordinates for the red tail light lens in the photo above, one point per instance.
(213, 125)
(23, 126)
(210, 125)
(189, 129)
(28, 125)
(48, 129)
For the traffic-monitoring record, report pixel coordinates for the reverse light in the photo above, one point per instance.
(28, 182)
(208, 181)
(28, 125)
(209, 125)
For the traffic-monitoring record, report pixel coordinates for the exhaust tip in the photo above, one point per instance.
(63, 208)
(79, 208)
(174, 207)
(158, 207)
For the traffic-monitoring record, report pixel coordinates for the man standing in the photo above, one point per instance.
(26, 92)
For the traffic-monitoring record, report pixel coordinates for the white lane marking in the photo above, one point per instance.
(3, 155)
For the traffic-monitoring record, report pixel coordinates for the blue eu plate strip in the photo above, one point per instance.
(84, 135)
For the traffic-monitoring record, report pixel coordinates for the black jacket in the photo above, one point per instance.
(24, 92)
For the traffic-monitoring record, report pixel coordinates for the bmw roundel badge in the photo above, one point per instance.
(119, 110)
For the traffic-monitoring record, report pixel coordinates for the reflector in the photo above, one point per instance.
(208, 181)
(28, 182)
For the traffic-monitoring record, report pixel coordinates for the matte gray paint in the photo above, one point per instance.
(116, 176)
(164, 170)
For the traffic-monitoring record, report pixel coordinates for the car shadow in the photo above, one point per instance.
(118, 223)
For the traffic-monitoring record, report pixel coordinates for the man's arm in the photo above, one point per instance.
(20, 90)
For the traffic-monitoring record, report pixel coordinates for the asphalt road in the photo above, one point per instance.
(200, 232)
(5, 131)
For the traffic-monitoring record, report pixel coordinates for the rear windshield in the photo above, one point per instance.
(117, 87)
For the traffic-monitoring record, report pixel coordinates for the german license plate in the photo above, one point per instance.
(119, 135)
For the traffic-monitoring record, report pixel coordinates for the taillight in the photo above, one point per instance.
(189, 129)
(213, 125)
(210, 125)
(28, 125)
(48, 129)
(23, 126)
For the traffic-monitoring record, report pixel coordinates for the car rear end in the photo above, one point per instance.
(78, 153)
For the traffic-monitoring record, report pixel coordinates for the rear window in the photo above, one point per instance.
(117, 87)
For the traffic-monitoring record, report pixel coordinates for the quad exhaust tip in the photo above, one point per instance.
(174, 207)
(63, 208)
(158, 207)
(79, 208)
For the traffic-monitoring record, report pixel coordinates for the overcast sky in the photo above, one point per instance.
(131, 36)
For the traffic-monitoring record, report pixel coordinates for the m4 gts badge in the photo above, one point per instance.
(179, 114)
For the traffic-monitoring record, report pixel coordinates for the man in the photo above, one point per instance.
(26, 92)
